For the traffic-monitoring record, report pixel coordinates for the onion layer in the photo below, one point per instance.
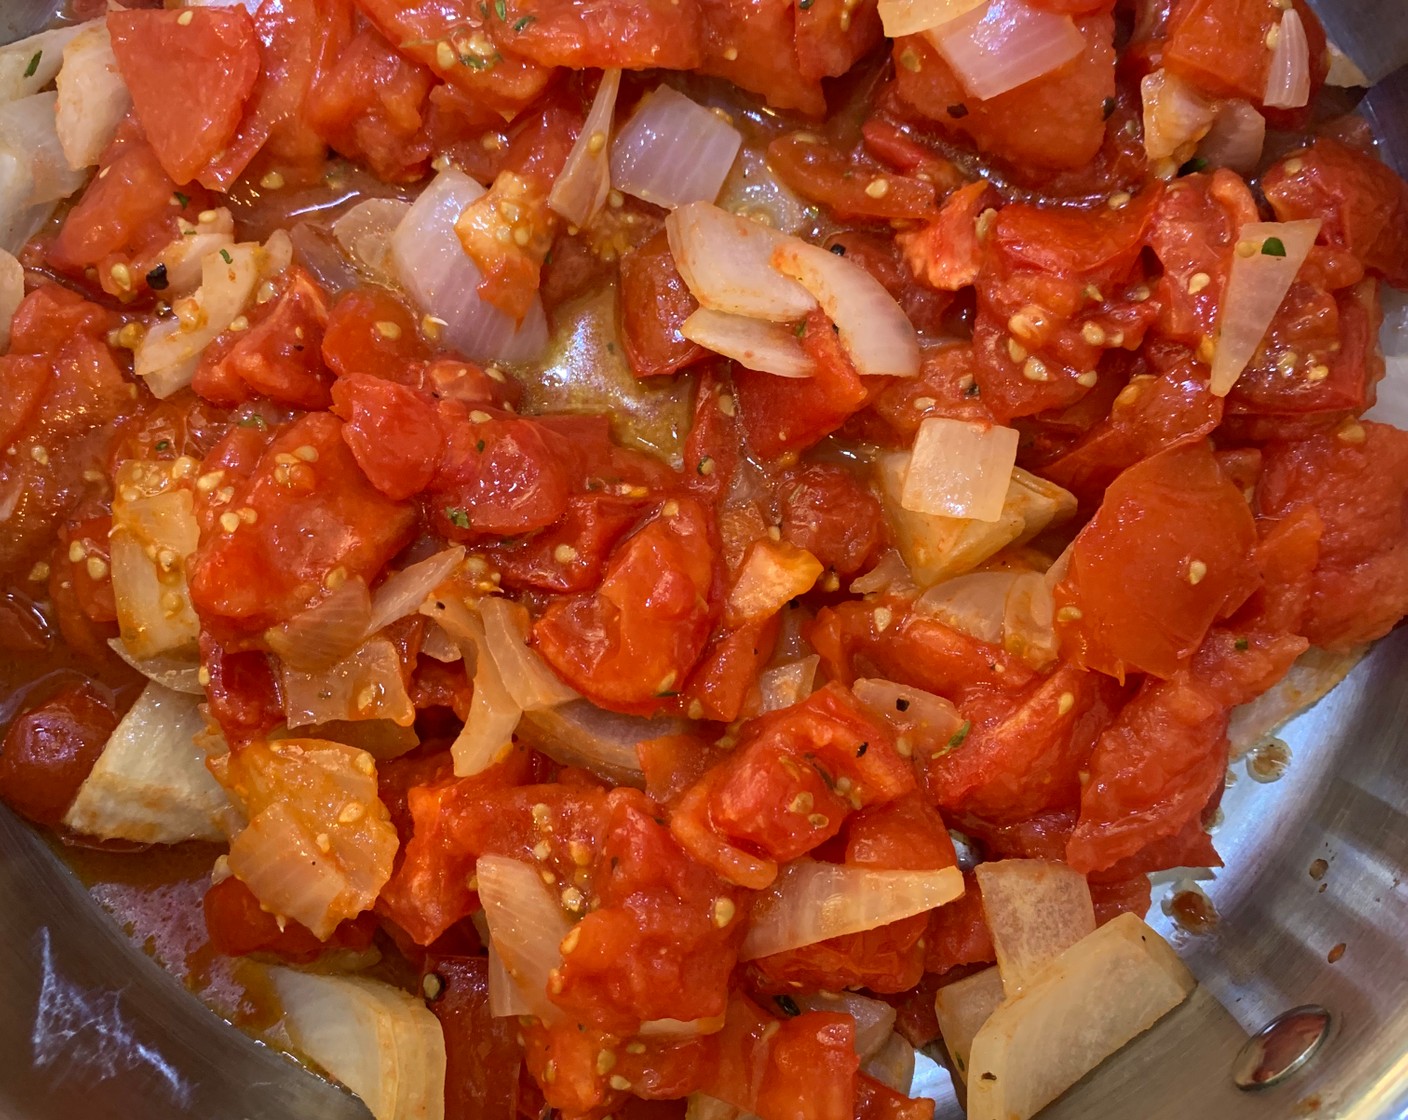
(403, 593)
(1035, 911)
(962, 1008)
(92, 97)
(960, 469)
(581, 734)
(1236, 139)
(772, 574)
(11, 294)
(673, 151)
(909, 17)
(526, 927)
(526, 676)
(1288, 76)
(581, 190)
(726, 262)
(753, 343)
(1005, 45)
(364, 233)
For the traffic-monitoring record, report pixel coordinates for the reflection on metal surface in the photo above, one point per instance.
(1281, 1047)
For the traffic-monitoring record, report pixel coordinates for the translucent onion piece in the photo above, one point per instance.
(974, 604)
(1035, 911)
(581, 734)
(890, 575)
(673, 151)
(1314, 673)
(810, 902)
(726, 262)
(701, 1106)
(167, 356)
(92, 97)
(318, 638)
(382, 1043)
(1005, 45)
(875, 1019)
(440, 645)
(525, 675)
(1288, 76)
(909, 17)
(926, 720)
(29, 65)
(184, 256)
(1176, 115)
(380, 738)
(784, 685)
(581, 190)
(319, 844)
(772, 574)
(364, 233)
(11, 294)
(526, 926)
(753, 343)
(1344, 72)
(892, 1065)
(150, 784)
(874, 331)
(505, 998)
(1028, 620)
(1102, 992)
(404, 592)
(1236, 139)
(19, 219)
(752, 190)
(154, 533)
(493, 713)
(962, 1008)
(1258, 283)
(443, 281)
(960, 469)
(680, 1028)
(175, 673)
(29, 130)
(365, 685)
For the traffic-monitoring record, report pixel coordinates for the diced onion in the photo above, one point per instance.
(214, 230)
(27, 66)
(1314, 673)
(893, 1064)
(1236, 139)
(962, 1008)
(1035, 911)
(319, 637)
(726, 262)
(787, 684)
(382, 1043)
(175, 673)
(875, 1019)
(960, 469)
(168, 354)
(319, 844)
(921, 717)
(493, 713)
(1344, 72)
(11, 294)
(365, 685)
(681, 1028)
(753, 343)
(1288, 76)
(1005, 45)
(439, 645)
(150, 784)
(1109, 987)
(580, 191)
(772, 574)
(581, 734)
(889, 576)
(526, 927)
(444, 282)
(29, 131)
(753, 190)
(365, 231)
(673, 151)
(909, 17)
(92, 97)
(1176, 115)
(973, 604)
(529, 681)
(1028, 620)
(404, 592)
(810, 902)
(154, 533)
(505, 998)
(1258, 283)
(875, 333)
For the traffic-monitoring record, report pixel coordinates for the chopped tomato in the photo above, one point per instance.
(243, 692)
(625, 34)
(946, 253)
(820, 173)
(831, 515)
(370, 330)
(945, 387)
(876, 1101)
(725, 680)
(190, 74)
(752, 44)
(482, 1054)
(239, 926)
(49, 751)
(833, 35)
(392, 430)
(571, 555)
(1168, 553)
(654, 305)
(958, 932)
(510, 267)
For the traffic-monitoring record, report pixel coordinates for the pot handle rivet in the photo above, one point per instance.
(1281, 1047)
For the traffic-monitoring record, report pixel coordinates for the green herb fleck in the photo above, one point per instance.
(1242, 645)
(225, 256)
(479, 445)
(163, 445)
(786, 1004)
(956, 740)
(501, 9)
(523, 21)
(457, 517)
(1273, 247)
(30, 70)
(804, 4)
(182, 200)
(800, 329)
(254, 420)
(1193, 166)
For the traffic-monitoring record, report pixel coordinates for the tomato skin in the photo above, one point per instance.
(751, 43)
(592, 526)
(829, 42)
(353, 344)
(270, 568)
(627, 34)
(1359, 588)
(820, 173)
(875, 1101)
(945, 253)
(482, 1054)
(211, 55)
(392, 430)
(238, 926)
(780, 414)
(632, 642)
(958, 932)
(826, 511)
(49, 751)
(727, 673)
(811, 1070)
(1053, 123)
(278, 356)
(243, 693)
(1140, 602)
(654, 304)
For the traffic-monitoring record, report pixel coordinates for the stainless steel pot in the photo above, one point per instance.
(91, 1028)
